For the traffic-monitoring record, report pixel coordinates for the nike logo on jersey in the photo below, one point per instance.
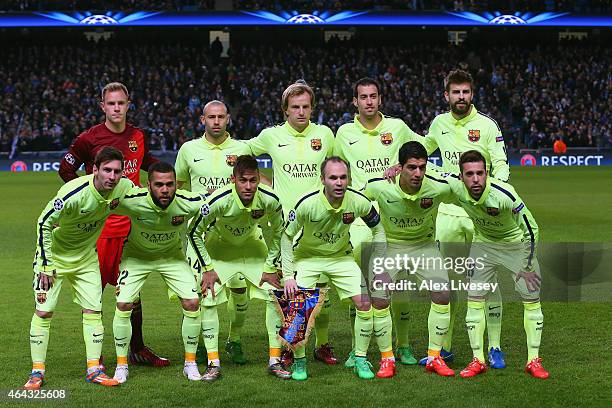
(282, 145)
(315, 220)
(441, 328)
(123, 338)
(192, 337)
(140, 219)
(98, 335)
(85, 211)
(206, 329)
(391, 202)
(445, 132)
(494, 307)
(352, 143)
(197, 160)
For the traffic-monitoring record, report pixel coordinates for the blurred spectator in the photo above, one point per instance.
(559, 147)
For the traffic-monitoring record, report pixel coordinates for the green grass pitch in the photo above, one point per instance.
(569, 204)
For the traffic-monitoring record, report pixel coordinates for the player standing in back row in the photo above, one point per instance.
(297, 148)
(461, 129)
(370, 145)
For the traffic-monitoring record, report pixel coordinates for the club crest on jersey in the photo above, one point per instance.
(41, 298)
(292, 215)
(473, 135)
(492, 211)
(257, 214)
(117, 290)
(426, 202)
(230, 159)
(316, 144)
(133, 145)
(113, 204)
(348, 218)
(386, 138)
(178, 220)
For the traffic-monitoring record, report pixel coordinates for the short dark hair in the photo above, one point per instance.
(334, 159)
(411, 150)
(108, 153)
(458, 76)
(365, 82)
(471, 156)
(244, 163)
(160, 167)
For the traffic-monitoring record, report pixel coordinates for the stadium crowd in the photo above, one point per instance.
(303, 5)
(536, 96)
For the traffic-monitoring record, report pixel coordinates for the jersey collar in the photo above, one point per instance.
(463, 121)
(212, 146)
(483, 197)
(295, 133)
(328, 206)
(411, 197)
(373, 132)
(239, 202)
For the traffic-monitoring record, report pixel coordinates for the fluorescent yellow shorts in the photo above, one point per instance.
(343, 273)
(84, 279)
(421, 260)
(176, 273)
(491, 258)
(243, 264)
(196, 269)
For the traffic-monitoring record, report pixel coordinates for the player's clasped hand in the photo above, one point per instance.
(391, 172)
(271, 278)
(45, 282)
(290, 288)
(532, 280)
(208, 282)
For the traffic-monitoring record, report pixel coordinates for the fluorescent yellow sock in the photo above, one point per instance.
(533, 321)
(39, 341)
(382, 331)
(475, 323)
(437, 325)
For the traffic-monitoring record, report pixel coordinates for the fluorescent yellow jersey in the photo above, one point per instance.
(70, 224)
(405, 217)
(371, 152)
(237, 225)
(499, 216)
(208, 166)
(296, 158)
(474, 132)
(158, 233)
(324, 230)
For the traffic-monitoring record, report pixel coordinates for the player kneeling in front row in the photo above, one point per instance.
(408, 209)
(505, 239)
(67, 232)
(159, 221)
(243, 223)
(323, 248)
